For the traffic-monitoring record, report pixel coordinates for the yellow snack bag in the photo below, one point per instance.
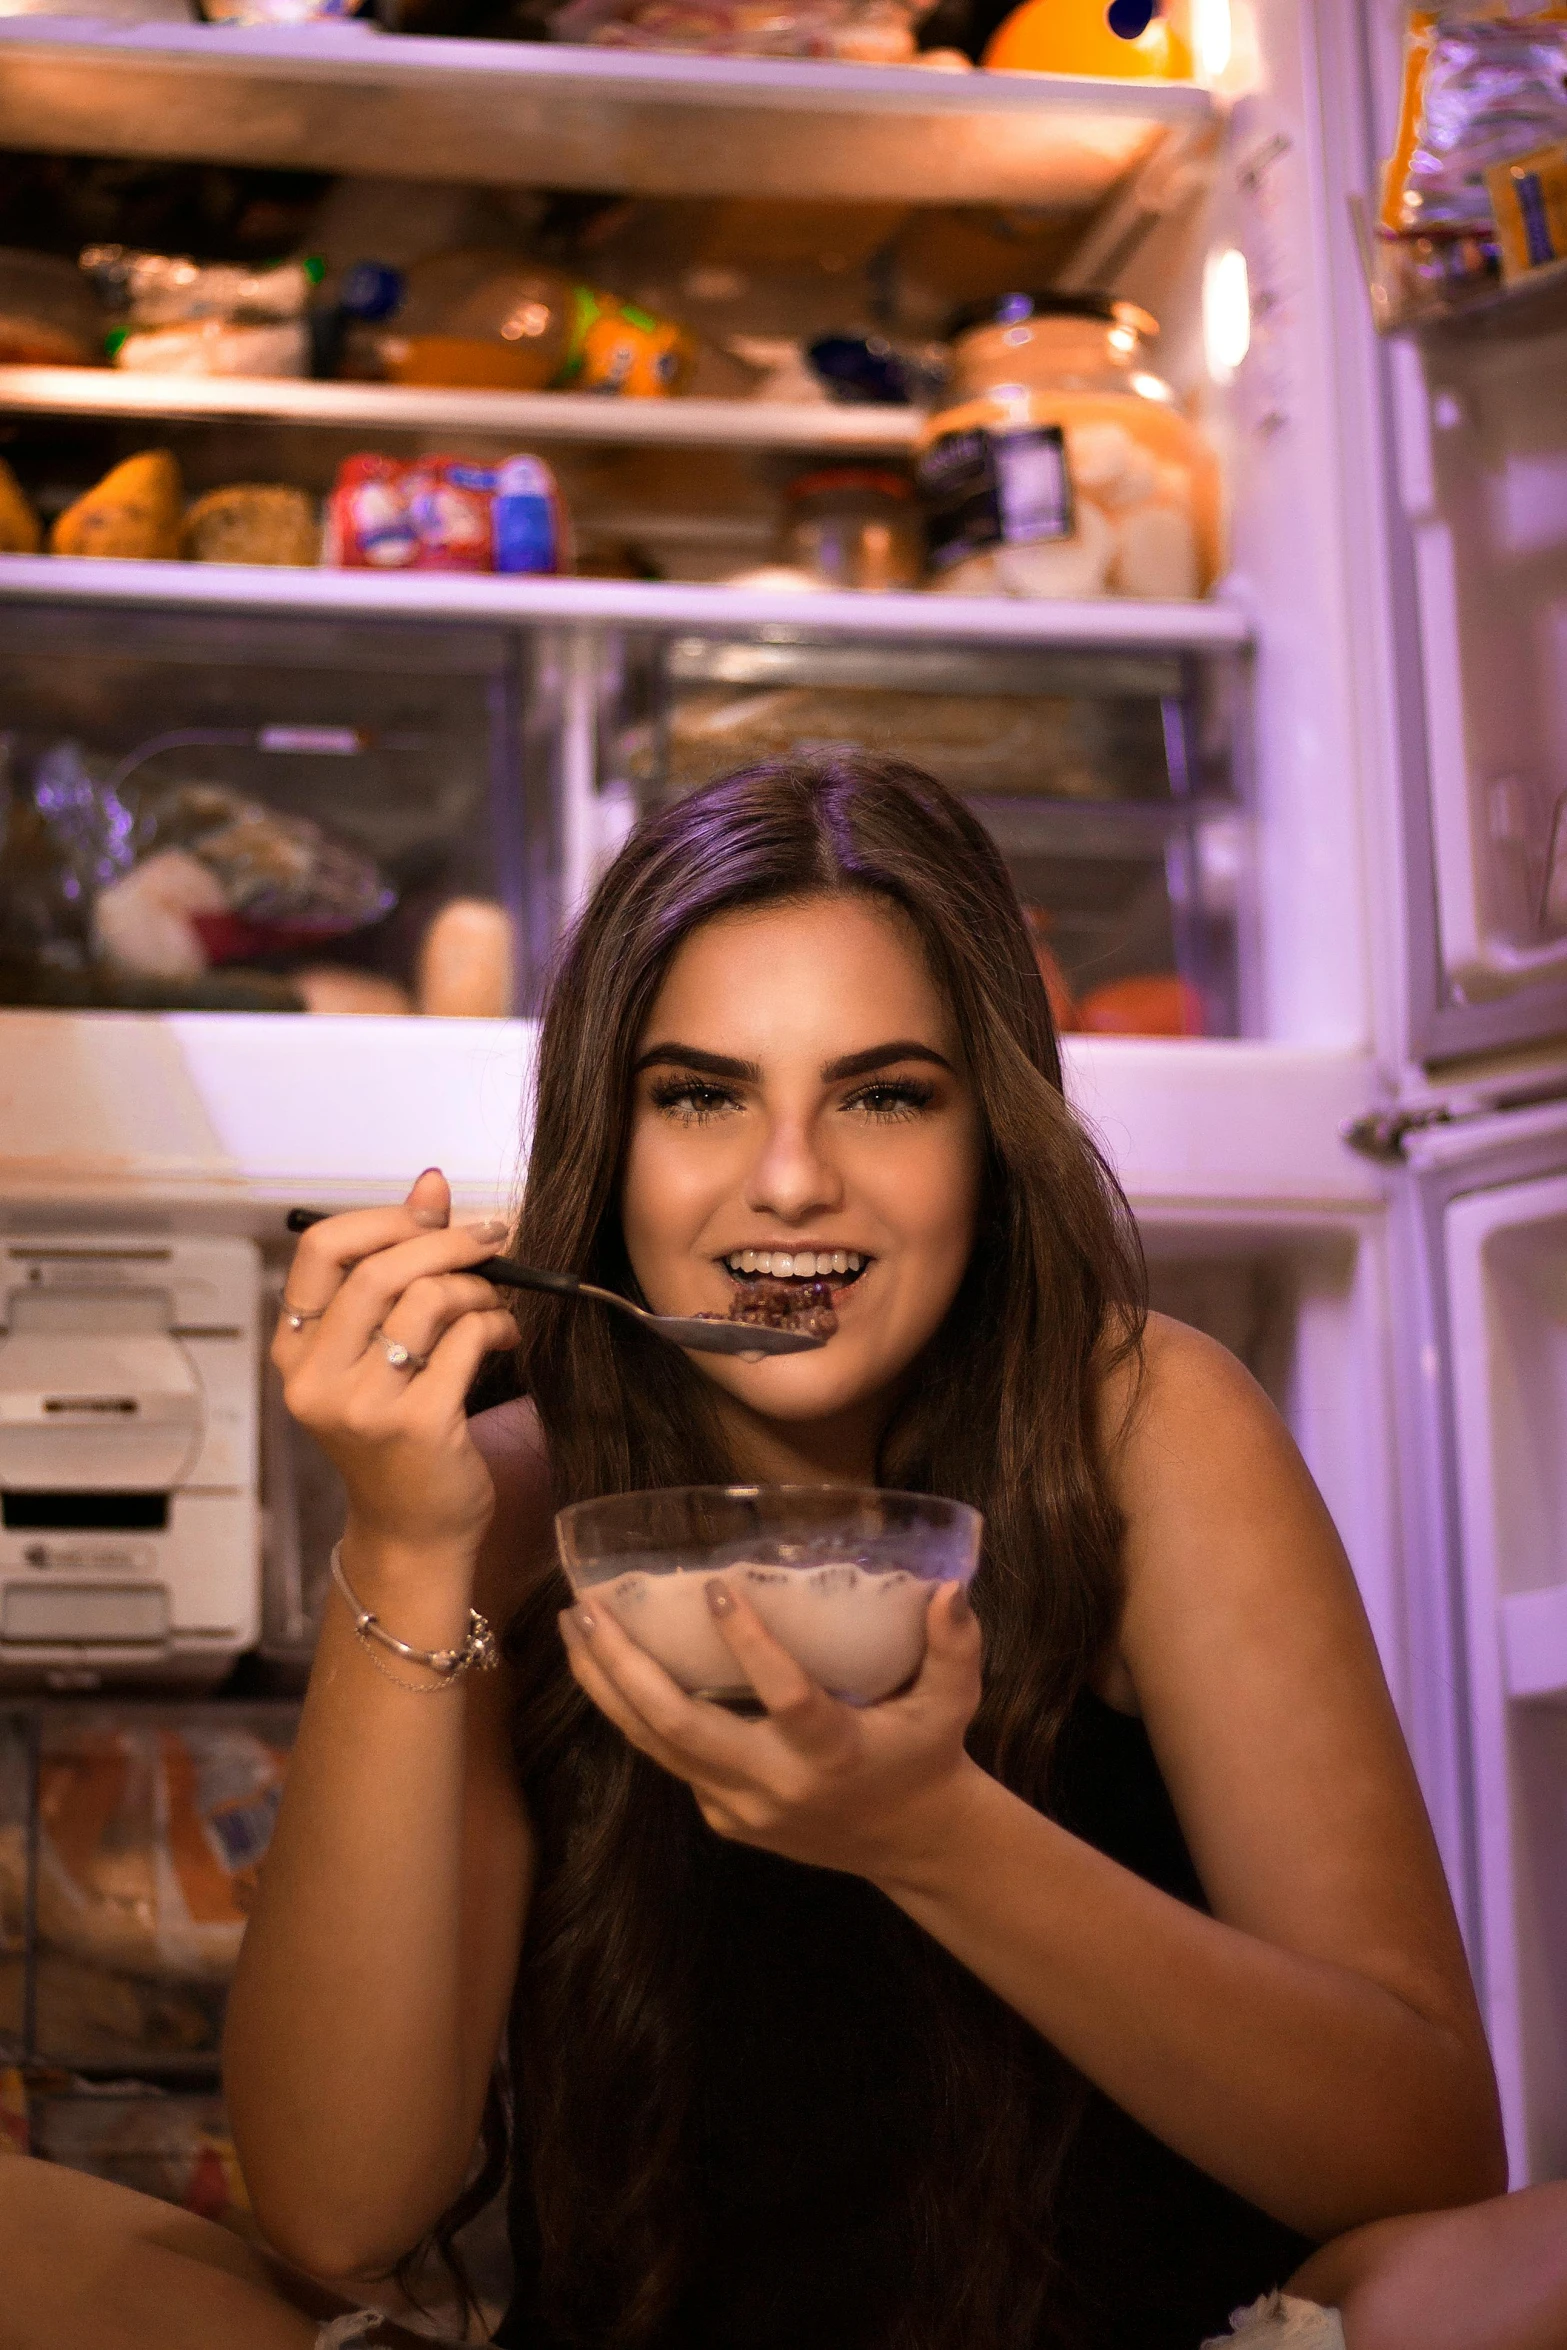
(1529, 198)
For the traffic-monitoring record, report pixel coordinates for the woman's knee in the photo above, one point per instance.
(1492, 2276)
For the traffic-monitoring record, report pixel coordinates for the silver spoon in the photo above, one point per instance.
(704, 1335)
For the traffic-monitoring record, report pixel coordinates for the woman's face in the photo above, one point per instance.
(799, 1090)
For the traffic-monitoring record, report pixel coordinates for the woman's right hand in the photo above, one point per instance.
(398, 1437)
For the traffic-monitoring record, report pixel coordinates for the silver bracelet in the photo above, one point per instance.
(478, 1652)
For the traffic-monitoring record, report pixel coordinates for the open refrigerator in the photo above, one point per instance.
(1350, 764)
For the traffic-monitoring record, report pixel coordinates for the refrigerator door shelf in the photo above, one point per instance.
(1481, 469)
(1492, 1209)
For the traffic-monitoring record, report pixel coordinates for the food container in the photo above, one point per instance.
(851, 527)
(1061, 466)
(840, 1575)
(480, 320)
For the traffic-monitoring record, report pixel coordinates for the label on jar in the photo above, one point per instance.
(984, 489)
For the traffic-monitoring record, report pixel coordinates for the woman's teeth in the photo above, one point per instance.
(800, 1265)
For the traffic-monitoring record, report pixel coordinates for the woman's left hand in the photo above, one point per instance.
(860, 1788)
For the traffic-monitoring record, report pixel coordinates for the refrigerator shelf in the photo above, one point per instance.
(535, 416)
(232, 1117)
(347, 97)
(587, 604)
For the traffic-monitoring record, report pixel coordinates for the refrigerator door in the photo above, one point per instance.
(1471, 550)
(1486, 1234)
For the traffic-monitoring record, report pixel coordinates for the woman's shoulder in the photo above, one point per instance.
(1177, 1382)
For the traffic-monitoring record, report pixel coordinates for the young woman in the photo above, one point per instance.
(1098, 1984)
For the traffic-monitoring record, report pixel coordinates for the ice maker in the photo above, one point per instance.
(128, 1458)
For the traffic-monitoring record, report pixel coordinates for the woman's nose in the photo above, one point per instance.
(791, 1176)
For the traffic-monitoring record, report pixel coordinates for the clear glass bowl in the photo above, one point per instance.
(840, 1574)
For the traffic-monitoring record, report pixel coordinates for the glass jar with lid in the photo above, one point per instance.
(854, 526)
(1061, 465)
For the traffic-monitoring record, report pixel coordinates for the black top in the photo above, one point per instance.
(805, 2110)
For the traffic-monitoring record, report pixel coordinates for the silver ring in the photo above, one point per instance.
(296, 1317)
(399, 1356)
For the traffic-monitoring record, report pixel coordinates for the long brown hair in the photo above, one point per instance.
(1004, 1416)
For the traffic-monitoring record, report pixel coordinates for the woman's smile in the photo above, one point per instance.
(802, 1115)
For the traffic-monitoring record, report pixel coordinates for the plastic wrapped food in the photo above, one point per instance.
(177, 2148)
(873, 32)
(165, 289)
(215, 346)
(446, 514)
(174, 316)
(1485, 81)
(133, 512)
(150, 1839)
(1529, 198)
(252, 522)
(224, 879)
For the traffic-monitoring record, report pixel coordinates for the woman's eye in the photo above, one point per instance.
(690, 1099)
(896, 1098)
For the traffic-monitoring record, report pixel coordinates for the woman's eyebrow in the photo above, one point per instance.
(690, 1056)
(878, 1056)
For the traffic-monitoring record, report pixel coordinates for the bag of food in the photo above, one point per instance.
(150, 1842)
(1485, 81)
(446, 514)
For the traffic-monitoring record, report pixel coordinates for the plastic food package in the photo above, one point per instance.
(165, 289)
(180, 317)
(133, 512)
(176, 2148)
(446, 514)
(873, 32)
(150, 1838)
(223, 879)
(1485, 81)
(1529, 199)
(216, 346)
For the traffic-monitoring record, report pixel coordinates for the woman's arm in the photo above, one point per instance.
(371, 1993)
(1314, 2044)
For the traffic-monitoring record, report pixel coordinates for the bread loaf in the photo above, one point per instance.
(133, 511)
(252, 522)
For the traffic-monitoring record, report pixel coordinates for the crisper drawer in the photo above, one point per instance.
(219, 811)
(1111, 781)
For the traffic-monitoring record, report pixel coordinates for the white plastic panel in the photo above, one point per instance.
(1485, 483)
(1304, 1306)
(1507, 1299)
